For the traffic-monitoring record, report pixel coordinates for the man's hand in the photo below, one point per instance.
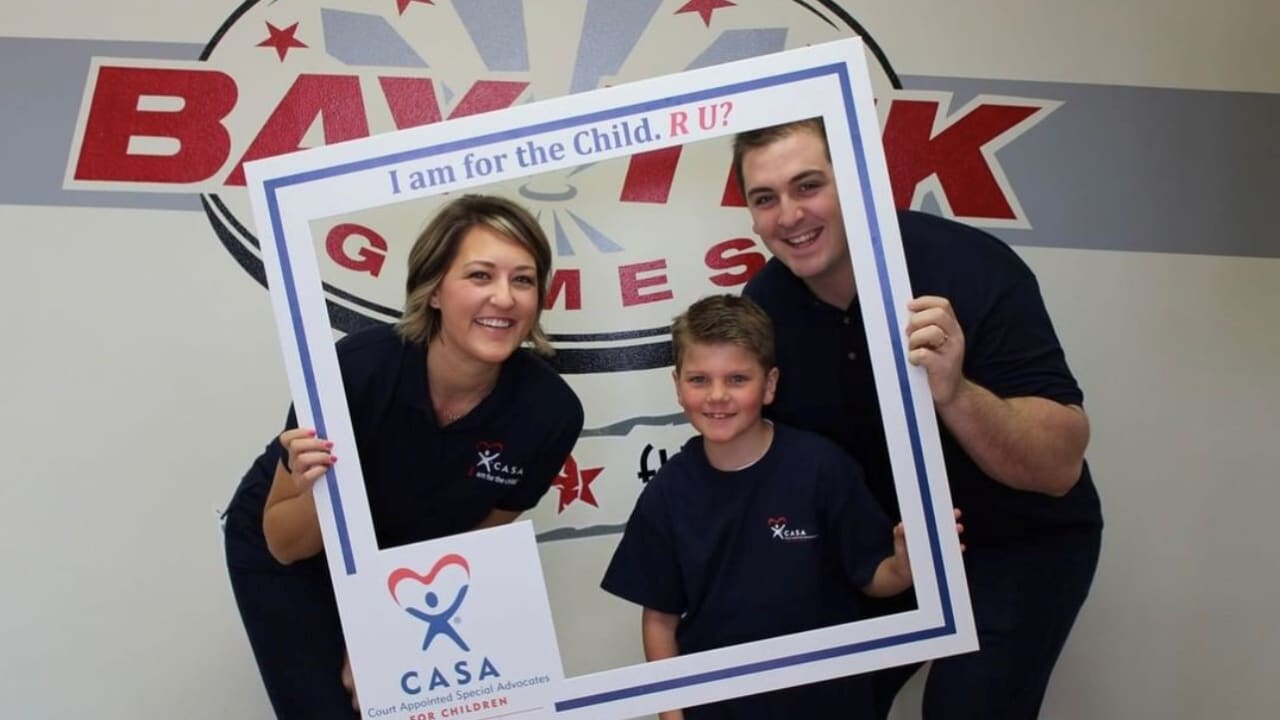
(936, 343)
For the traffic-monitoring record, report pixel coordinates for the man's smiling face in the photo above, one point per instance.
(791, 192)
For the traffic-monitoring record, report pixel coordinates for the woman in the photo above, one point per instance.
(446, 387)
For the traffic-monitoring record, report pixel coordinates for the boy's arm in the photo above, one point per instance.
(893, 574)
(658, 631)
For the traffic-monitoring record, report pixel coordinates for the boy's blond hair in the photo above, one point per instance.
(724, 320)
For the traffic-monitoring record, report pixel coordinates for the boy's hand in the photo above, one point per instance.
(893, 574)
(901, 561)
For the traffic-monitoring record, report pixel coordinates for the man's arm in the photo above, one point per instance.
(1027, 443)
(658, 631)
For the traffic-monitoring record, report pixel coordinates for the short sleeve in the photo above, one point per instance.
(1013, 350)
(549, 461)
(862, 530)
(644, 569)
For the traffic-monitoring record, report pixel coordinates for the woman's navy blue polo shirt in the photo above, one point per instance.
(424, 481)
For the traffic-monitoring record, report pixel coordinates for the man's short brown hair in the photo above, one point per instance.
(724, 320)
(745, 142)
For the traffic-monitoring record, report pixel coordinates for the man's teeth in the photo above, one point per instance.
(802, 239)
(495, 322)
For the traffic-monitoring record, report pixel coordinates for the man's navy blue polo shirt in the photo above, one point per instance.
(826, 383)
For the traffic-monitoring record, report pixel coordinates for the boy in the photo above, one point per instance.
(754, 529)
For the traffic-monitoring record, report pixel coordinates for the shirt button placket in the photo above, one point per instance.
(853, 356)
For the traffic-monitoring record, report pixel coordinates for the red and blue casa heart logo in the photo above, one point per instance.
(487, 452)
(412, 582)
(775, 522)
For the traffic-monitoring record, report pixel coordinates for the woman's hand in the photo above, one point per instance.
(289, 522)
(306, 457)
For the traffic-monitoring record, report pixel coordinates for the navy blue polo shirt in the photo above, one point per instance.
(826, 383)
(780, 547)
(424, 481)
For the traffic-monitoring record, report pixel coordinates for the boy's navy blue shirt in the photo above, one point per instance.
(779, 547)
(424, 481)
(826, 383)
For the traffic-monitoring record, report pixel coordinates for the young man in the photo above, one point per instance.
(1013, 429)
(754, 529)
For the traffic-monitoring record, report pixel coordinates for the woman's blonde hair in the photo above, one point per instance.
(437, 246)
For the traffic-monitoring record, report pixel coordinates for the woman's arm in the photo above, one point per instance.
(289, 521)
(497, 517)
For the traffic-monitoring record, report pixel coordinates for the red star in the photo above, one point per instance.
(704, 8)
(575, 485)
(282, 40)
(403, 4)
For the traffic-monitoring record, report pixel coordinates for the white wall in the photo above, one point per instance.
(140, 373)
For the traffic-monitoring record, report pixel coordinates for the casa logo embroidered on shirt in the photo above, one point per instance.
(489, 466)
(785, 533)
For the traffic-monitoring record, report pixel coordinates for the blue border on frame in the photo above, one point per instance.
(272, 186)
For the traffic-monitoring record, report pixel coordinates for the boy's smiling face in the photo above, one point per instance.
(723, 389)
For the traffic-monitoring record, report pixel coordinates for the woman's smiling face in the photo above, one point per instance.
(488, 298)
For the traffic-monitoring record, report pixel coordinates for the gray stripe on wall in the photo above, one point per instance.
(1141, 169)
(1115, 167)
(42, 84)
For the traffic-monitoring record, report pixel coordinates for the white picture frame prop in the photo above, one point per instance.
(511, 665)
